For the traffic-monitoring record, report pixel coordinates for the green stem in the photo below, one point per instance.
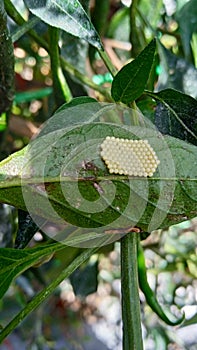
(134, 30)
(149, 294)
(100, 15)
(135, 114)
(40, 297)
(60, 87)
(107, 62)
(25, 28)
(132, 333)
(84, 79)
(146, 22)
(18, 19)
(99, 18)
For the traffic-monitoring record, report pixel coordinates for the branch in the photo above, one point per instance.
(6, 64)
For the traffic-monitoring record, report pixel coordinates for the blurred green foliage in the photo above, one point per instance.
(170, 254)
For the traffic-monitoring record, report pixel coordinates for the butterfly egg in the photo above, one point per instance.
(129, 157)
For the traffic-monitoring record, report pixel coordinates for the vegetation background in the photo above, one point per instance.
(87, 315)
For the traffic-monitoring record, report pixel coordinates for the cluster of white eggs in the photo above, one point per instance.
(129, 157)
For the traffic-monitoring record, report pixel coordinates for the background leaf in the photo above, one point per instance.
(74, 50)
(176, 114)
(190, 321)
(130, 81)
(69, 16)
(176, 73)
(119, 29)
(187, 19)
(13, 262)
(84, 280)
(8, 216)
(26, 229)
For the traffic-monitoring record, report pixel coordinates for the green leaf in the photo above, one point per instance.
(190, 321)
(3, 124)
(194, 48)
(13, 262)
(28, 96)
(26, 229)
(84, 280)
(24, 29)
(75, 102)
(149, 294)
(74, 50)
(60, 176)
(44, 293)
(151, 10)
(130, 81)
(184, 198)
(8, 216)
(119, 29)
(187, 19)
(72, 118)
(176, 114)
(67, 15)
(176, 73)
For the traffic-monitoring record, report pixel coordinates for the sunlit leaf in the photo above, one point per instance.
(67, 15)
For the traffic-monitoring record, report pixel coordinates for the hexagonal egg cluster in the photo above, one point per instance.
(129, 157)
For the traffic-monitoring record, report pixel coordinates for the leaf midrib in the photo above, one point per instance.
(48, 180)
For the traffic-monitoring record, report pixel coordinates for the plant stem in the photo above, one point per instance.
(40, 297)
(60, 87)
(150, 296)
(25, 28)
(132, 333)
(107, 62)
(134, 30)
(135, 114)
(100, 16)
(6, 64)
(18, 19)
(84, 79)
